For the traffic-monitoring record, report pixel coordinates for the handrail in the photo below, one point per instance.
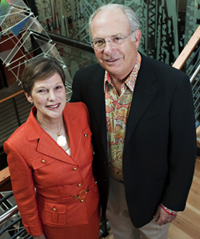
(8, 214)
(4, 175)
(6, 197)
(70, 42)
(182, 58)
(10, 225)
(11, 96)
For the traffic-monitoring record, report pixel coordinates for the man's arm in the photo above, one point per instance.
(182, 147)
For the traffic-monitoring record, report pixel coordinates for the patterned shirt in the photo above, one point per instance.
(117, 111)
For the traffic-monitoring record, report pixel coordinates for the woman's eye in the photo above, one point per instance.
(58, 87)
(41, 90)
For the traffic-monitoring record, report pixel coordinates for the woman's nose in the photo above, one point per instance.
(52, 95)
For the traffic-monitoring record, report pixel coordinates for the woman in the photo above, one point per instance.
(50, 159)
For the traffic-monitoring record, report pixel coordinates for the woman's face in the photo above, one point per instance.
(49, 97)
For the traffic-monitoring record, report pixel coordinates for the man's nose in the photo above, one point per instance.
(108, 46)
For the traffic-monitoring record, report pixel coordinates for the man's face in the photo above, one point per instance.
(118, 59)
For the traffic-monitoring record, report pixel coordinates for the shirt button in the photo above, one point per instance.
(82, 200)
(79, 185)
(43, 161)
(85, 135)
(75, 169)
(54, 209)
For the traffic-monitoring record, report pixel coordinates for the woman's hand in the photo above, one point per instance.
(39, 237)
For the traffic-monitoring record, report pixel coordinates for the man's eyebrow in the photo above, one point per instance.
(114, 35)
(97, 38)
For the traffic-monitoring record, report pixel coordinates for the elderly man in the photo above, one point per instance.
(143, 128)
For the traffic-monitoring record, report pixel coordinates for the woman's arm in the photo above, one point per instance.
(23, 189)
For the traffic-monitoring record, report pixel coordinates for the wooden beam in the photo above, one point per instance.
(11, 96)
(187, 49)
(4, 175)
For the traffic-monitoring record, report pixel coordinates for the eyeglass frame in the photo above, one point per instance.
(110, 41)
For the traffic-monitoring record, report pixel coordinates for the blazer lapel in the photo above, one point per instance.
(45, 144)
(143, 94)
(49, 147)
(74, 131)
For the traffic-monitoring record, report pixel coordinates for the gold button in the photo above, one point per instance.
(54, 209)
(75, 169)
(85, 135)
(79, 185)
(96, 182)
(43, 161)
(82, 200)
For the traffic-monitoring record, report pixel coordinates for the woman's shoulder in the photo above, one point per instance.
(76, 106)
(17, 137)
(76, 110)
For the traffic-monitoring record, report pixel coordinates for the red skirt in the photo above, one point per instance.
(86, 231)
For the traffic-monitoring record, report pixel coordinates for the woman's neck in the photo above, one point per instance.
(53, 124)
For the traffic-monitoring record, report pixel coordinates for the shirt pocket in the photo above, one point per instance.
(54, 213)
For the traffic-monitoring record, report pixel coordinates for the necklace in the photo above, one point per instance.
(61, 139)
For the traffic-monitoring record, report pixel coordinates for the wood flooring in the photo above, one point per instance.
(187, 223)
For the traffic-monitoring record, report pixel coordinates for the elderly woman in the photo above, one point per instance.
(50, 159)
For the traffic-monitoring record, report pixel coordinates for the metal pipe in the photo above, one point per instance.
(8, 214)
(195, 74)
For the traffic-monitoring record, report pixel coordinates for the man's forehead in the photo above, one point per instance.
(107, 22)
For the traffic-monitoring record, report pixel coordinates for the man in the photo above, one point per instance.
(142, 121)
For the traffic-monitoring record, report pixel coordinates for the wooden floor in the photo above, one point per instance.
(187, 223)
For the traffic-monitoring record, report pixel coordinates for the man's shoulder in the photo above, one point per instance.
(161, 68)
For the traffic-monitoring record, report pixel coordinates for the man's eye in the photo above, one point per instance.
(99, 42)
(117, 39)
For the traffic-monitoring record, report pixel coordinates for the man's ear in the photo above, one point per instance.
(137, 37)
(28, 97)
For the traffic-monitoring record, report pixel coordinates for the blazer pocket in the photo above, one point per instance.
(55, 213)
(41, 162)
(155, 116)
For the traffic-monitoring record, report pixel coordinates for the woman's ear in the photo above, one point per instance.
(28, 97)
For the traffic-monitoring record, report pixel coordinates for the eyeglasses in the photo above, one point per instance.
(100, 43)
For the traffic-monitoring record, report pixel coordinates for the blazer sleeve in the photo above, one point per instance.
(182, 147)
(23, 189)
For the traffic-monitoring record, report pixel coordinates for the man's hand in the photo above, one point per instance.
(163, 217)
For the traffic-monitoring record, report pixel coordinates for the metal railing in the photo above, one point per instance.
(14, 111)
(189, 62)
(10, 221)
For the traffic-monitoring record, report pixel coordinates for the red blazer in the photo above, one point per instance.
(38, 163)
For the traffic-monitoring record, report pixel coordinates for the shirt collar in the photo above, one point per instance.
(130, 81)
